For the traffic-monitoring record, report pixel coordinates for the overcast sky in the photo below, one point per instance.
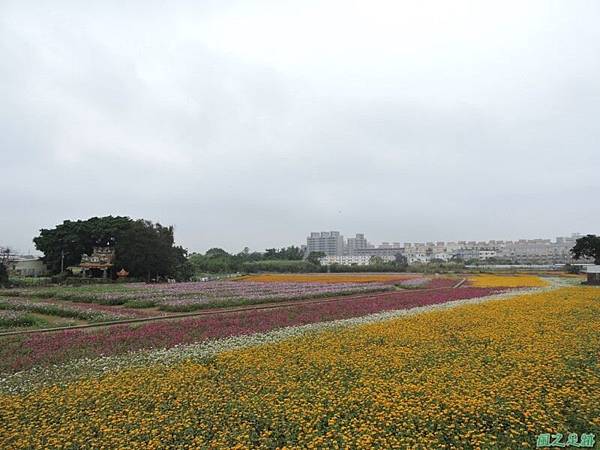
(254, 123)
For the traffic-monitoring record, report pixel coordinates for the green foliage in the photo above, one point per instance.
(3, 275)
(49, 310)
(141, 303)
(23, 282)
(213, 264)
(217, 253)
(72, 239)
(59, 278)
(217, 260)
(381, 267)
(375, 260)
(587, 247)
(446, 267)
(314, 257)
(184, 269)
(401, 261)
(4, 257)
(143, 248)
(146, 249)
(571, 268)
(280, 266)
(21, 320)
(291, 253)
(78, 281)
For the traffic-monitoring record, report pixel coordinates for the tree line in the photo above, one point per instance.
(286, 259)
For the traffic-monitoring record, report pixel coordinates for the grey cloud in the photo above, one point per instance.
(164, 112)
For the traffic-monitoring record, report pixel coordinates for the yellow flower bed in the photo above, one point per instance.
(506, 281)
(326, 278)
(491, 375)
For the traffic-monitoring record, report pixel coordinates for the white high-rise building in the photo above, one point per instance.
(329, 242)
(355, 243)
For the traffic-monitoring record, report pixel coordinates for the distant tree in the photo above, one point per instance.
(286, 259)
(401, 260)
(572, 268)
(291, 253)
(314, 257)
(184, 269)
(4, 257)
(246, 255)
(215, 260)
(216, 253)
(295, 253)
(457, 259)
(375, 260)
(271, 253)
(280, 265)
(146, 250)
(3, 275)
(587, 247)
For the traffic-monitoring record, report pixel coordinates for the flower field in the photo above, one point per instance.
(507, 281)
(192, 296)
(489, 375)
(327, 277)
(428, 283)
(19, 352)
(12, 318)
(90, 304)
(91, 313)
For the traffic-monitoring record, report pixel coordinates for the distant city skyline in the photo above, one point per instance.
(358, 250)
(249, 123)
(25, 250)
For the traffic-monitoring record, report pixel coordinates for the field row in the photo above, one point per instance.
(60, 306)
(38, 349)
(491, 375)
(67, 306)
(190, 296)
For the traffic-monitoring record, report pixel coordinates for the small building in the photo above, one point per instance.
(593, 274)
(100, 262)
(27, 267)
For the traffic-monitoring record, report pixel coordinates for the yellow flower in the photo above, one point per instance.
(487, 375)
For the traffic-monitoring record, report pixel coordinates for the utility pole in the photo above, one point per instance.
(62, 261)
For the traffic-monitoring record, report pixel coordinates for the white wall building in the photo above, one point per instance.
(27, 267)
(349, 260)
(329, 242)
(356, 243)
(523, 251)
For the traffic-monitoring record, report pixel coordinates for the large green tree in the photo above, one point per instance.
(66, 242)
(314, 257)
(587, 247)
(291, 253)
(4, 257)
(143, 248)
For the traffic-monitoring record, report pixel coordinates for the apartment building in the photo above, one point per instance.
(538, 250)
(350, 260)
(358, 242)
(381, 251)
(329, 242)
(523, 251)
